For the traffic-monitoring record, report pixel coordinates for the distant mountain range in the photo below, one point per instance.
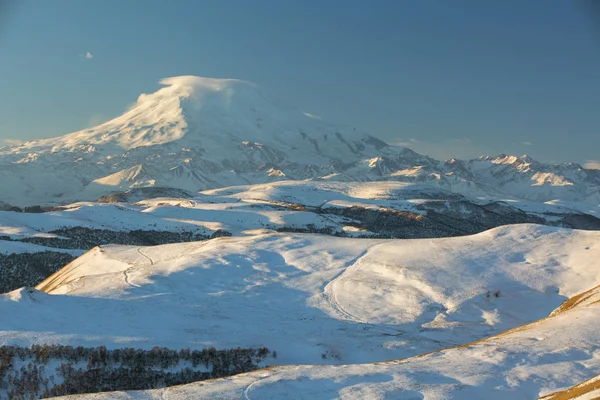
(200, 133)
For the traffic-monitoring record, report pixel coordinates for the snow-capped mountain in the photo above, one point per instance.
(210, 196)
(527, 178)
(200, 133)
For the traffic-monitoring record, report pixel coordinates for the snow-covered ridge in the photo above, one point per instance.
(197, 112)
(588, 390)
(201, 133)
(154, 119)
(365, 209)
(333, 295)
(322, 300)
(152, 216)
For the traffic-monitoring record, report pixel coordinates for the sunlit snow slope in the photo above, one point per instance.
(311, 298)
(523, 364)
(201, 133)
(319, 300)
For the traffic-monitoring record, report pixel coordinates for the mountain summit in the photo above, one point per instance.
(201, 133)
(214, 115)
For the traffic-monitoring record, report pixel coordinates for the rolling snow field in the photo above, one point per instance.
(324, 300)
(526, 363)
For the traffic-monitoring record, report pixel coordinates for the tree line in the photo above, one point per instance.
(43, 371)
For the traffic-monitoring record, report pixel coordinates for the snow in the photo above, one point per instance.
(355, 300)
(256, 209)
(240, 210)
(580, 207)
(88, 215)
(337, 305)
(255, 166)
(523, 364)
(315, 193)
(201, 133)
(163, 214)
(588, 390)
(318, 299)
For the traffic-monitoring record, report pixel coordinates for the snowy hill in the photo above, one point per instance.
(366, 209)
(143, 217)
(525, 363)
(201, 133)
(356, 297)
(323, 300)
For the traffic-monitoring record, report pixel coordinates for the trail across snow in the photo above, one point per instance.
(316, 299)
(305, 296)
(523, 364)
(127, 281)
(139, 250)
(329, 291)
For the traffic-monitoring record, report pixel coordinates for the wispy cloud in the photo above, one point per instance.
(87, 55)
(592, 164)
(526, 143)
(96, 120)
(405, 142)
(11, 142)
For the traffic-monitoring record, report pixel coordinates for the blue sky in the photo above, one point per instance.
(447, 78)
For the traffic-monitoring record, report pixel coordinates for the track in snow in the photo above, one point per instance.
(139, 250)
(126, 276)
(246, 390)
(329, 292)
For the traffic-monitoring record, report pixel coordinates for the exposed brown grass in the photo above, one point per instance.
(576, 300)
(576, 391)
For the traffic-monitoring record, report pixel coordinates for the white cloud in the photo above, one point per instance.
(312, 116)
(525, 143)
(592, 164)
(96, 120)
(11, 142)
(87, 55)
(405, 142)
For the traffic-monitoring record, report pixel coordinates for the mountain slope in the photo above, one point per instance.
(143, 217)
(588, 390)
(535, 181)
(524, 363)
(217, 132)
(201, 133)
(214, 114)
(305, 296)
(320, 300)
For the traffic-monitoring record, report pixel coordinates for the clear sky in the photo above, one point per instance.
(447, 78)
